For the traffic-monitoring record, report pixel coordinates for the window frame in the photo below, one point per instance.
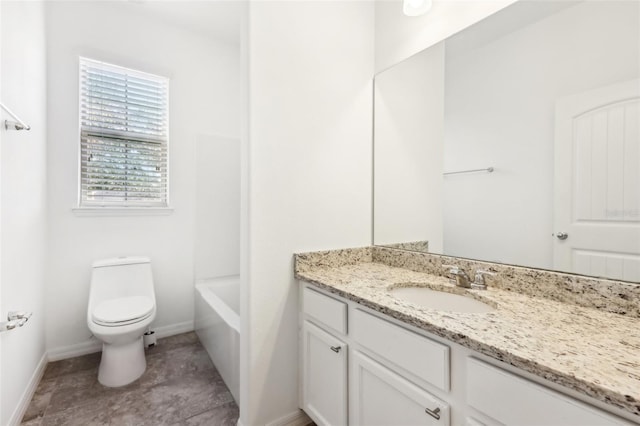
(137, 208)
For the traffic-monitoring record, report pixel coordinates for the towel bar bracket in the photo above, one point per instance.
(15, 320)
(14, 125)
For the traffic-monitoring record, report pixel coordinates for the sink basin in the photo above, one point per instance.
(440, 300)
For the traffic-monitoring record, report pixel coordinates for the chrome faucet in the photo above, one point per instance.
(479, 282)
(460, 276)
(463, 280)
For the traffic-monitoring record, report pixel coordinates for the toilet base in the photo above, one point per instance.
(121, 364)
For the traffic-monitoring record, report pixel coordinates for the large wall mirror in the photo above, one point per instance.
(517, 141)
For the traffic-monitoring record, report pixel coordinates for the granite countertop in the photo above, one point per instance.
(592, 351)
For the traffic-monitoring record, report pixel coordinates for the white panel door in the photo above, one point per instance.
(324, 363)
(597, 182)
(380, 397)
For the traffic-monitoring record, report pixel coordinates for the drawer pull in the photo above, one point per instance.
(433, 413)
(336, 349)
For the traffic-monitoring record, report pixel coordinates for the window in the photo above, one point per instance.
(124, 137)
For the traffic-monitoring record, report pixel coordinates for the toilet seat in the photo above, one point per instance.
(122, 311)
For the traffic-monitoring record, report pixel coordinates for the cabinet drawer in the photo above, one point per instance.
(512, 400)
(330, 312)
(411, 352)
(380, 397)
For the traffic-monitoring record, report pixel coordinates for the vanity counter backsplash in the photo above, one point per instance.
(579, 332)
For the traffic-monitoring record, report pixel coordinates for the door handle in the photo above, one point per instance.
(562, 236)
(336, 349)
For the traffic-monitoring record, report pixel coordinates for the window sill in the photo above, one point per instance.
(122, 211)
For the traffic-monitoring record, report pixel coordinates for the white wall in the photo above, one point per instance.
(217, 235)
(204, 100)
(398, 36)
(310, 92)
(409, 136)
(500, 100)
(23, 209)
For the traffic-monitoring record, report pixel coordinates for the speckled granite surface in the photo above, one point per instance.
(419, 246)
(331, 258)
(583, 348)
(608, 295)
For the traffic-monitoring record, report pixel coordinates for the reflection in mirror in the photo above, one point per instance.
(539, 107)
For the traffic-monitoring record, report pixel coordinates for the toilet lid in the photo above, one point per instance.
(122, 309)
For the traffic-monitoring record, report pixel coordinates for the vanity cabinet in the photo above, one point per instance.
(387, 391)
(380, 397)
(330, 313)
(425, 361)
(324, 358)
(324, 372)
(513, 400)
(361, 367)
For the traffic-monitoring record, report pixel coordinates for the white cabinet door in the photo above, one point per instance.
(324, 363)
(380, 397)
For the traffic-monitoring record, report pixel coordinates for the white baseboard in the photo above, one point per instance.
(297, 418)
(93, 345)
(27, 395)
(173, 329)
(87, 347)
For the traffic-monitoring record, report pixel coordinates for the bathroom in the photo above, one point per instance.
(271, 117)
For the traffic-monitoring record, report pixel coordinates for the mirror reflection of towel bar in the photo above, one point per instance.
(487, 170)
(14, 125)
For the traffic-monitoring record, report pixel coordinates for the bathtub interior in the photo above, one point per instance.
(229, 293)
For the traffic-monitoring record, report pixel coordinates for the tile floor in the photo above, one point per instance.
(180, 387)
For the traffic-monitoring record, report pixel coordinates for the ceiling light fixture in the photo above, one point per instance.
(416, 7)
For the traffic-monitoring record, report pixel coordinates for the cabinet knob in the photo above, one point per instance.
(433, 413)
(336, 349)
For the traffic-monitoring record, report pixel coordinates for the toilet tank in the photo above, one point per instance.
(121, 277)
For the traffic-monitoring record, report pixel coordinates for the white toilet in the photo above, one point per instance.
(122, 305)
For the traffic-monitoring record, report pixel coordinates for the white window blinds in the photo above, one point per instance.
(124, 137)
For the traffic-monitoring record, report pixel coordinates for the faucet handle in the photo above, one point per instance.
(459, 276)
(453, 270)
(479, 281)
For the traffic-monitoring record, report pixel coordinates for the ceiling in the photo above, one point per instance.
(512, 18)
(218, 19)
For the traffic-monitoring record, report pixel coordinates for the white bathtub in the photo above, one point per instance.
(217, 323)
